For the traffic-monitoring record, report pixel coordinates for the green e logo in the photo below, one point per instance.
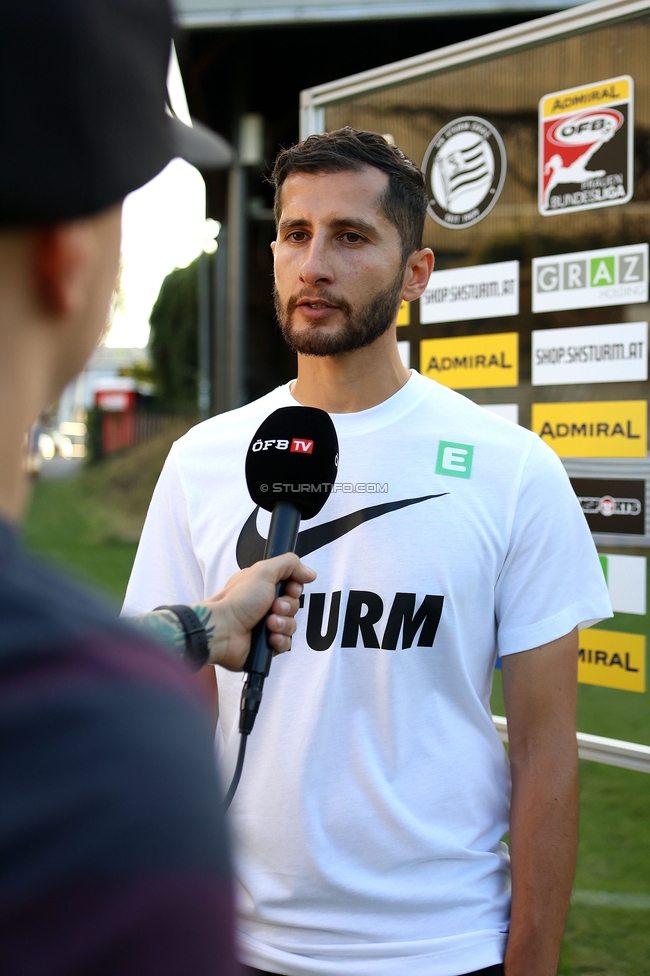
(454, 459)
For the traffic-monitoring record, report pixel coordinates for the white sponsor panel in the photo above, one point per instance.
(590, 354)
(591, 279)
(626, 581)
(484, 291)
(509, 411)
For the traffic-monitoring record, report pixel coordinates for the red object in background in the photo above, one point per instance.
(118, 431)
(115, 401)
(118, 421)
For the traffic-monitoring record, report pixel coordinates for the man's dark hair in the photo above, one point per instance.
(404, 202)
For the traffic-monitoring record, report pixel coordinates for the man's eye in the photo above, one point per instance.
(351, 238)
(297, 236)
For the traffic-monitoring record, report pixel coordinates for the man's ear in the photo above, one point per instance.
(272, 247)
(418, 271)
(60, 264)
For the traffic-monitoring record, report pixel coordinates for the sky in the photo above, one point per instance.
(163, 227)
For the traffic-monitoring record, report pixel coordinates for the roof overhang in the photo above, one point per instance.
(582, 17)
(253, 13)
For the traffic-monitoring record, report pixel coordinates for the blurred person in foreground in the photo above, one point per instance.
(376, 792)
(112, 848)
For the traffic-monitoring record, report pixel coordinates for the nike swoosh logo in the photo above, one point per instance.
(250, 544)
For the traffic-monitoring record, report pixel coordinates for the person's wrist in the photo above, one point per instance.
(221, 627)
(197, 651)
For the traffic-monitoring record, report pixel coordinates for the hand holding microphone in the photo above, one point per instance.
(244, 600)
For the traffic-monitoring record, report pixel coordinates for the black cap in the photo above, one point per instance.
(83, 86)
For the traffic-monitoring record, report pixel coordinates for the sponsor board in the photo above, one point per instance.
(454, 459)
(508, 411)
(586, 147)
(613, 506)
(590, 354)
(464, 169)
(606, 428)
(404, 314)
(626, 582)
(611, 659)
(465, 362)
(591, 279)
(485, 291)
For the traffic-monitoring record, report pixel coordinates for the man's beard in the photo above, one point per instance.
(362, 325)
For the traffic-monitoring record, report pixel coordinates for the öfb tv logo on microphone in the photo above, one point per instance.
(299, 446)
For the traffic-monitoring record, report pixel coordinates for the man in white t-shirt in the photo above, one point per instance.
(376, 791)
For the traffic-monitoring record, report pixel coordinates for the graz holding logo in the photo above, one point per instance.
(591, 279)
(363, 611)
(465, 169)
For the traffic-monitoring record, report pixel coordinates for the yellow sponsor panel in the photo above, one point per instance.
(612, 660)
(404, 314)
(472, 361)
(607, 428)
(603, 93)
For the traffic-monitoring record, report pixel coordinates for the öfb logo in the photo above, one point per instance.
(301, 446)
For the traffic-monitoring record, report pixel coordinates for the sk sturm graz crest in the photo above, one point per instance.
(586, 146)
(465, 169)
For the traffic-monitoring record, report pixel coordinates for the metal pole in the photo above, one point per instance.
(236, 310)
(220, 366)
(204, 378)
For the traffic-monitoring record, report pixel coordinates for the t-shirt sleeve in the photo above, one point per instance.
(551, 579)
(166, 569)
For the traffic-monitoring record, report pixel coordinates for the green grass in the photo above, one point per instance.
(606, 942)
(65, 527)
(614, 847)
(90, 525)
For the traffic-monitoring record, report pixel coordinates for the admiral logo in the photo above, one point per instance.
(465, 169)
(585, 147)
(613, 506)
(591, 279)
(301, 447)
(614, 428)
(465, 362)
(612, 660)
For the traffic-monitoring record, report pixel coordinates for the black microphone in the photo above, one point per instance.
(291, 467)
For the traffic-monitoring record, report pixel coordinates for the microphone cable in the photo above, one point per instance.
(234, 783)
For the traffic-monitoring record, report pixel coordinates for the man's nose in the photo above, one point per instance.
(316, 268)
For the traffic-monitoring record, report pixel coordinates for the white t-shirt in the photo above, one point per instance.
(375, 792)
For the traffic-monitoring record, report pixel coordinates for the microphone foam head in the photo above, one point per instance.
(293, 457)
